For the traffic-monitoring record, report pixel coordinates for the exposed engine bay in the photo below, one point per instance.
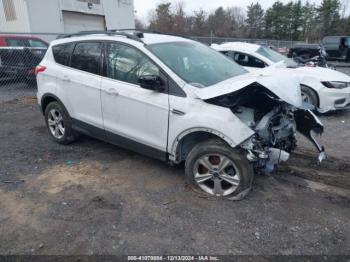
(275, 123)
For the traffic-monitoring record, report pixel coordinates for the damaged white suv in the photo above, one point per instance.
(176, 100)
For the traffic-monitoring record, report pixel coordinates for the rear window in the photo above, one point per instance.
(62, 53)
(86, 57)
(331, 40)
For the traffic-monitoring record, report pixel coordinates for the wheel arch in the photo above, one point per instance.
(314, 91)
(185, 142)
(47, 99)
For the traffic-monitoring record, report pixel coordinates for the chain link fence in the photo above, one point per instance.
(20, 53)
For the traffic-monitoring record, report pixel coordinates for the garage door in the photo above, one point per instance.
(75, 22)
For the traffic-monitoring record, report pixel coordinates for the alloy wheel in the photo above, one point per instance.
(216, 175)
(56, 124)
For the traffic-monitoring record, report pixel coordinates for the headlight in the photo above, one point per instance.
(336, 84)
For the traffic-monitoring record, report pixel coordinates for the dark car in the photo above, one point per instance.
(19, 55)
(304, 51)
(18, 63)
(337, 47)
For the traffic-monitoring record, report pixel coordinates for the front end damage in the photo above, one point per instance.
(275, 123)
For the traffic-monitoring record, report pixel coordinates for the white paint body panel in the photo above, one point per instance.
(283, 85)
(309, 76)
(136, 113)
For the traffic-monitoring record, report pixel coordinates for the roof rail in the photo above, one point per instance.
(134, 36)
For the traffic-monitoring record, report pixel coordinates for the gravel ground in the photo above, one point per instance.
(11, 91)
(95, 198)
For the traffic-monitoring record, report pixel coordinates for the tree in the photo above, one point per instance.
(277, 24)
(199, 23)
(310, 29)
(179, 26)
(328, 16)
(235, 21)
(290, 21)
(216, 22)
(163, 20)
(255, 20)
(296, 21)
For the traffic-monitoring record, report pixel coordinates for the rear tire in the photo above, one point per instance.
(219, 170)
(59, 124)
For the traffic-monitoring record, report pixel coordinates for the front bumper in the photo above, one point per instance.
(334, 99)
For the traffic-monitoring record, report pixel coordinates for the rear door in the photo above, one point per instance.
(79, 83)
(134, 117)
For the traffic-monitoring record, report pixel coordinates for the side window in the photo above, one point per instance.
(241, 59)
(86, 57)
(127, 64)
(62, 53)
(247, 60)
(15, 42)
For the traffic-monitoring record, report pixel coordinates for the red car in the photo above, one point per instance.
(19, 55)
(21, 41)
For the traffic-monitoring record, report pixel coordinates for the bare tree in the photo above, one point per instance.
(179, 26)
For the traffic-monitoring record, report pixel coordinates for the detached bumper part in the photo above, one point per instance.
(276, 156)
(309, 125)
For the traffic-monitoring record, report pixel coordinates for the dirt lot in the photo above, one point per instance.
(95, 198)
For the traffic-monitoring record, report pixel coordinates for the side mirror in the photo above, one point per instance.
(151, 82)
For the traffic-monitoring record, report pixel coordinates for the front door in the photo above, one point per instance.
(134, 117)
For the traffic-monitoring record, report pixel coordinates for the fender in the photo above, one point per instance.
(49, 95)
(172, 156)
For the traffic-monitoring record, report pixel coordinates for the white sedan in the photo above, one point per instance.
(324, 88)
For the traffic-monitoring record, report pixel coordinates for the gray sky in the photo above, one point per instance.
(143, 7)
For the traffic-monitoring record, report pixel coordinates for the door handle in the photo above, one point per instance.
(177, 112)
(66, 79)
(112, 92)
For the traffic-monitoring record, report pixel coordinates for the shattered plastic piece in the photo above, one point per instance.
(275, 157)
(322, 156)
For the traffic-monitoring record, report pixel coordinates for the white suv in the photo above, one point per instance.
(176, 100)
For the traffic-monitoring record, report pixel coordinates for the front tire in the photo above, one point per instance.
(309, 96)
(59, 124)
(218, 170)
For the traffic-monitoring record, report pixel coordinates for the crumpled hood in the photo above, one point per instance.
(282, 85)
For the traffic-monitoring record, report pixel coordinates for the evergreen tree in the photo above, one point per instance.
(328, 16)
(255, 20)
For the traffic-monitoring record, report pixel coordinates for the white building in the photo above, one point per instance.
(65, 16)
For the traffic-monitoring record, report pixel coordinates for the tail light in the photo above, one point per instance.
(39, 69)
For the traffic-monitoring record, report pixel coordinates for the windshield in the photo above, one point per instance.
(196, 63)
(275, 56)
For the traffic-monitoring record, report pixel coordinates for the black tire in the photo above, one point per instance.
(311, 94)
(69, 135)
(217, 146)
